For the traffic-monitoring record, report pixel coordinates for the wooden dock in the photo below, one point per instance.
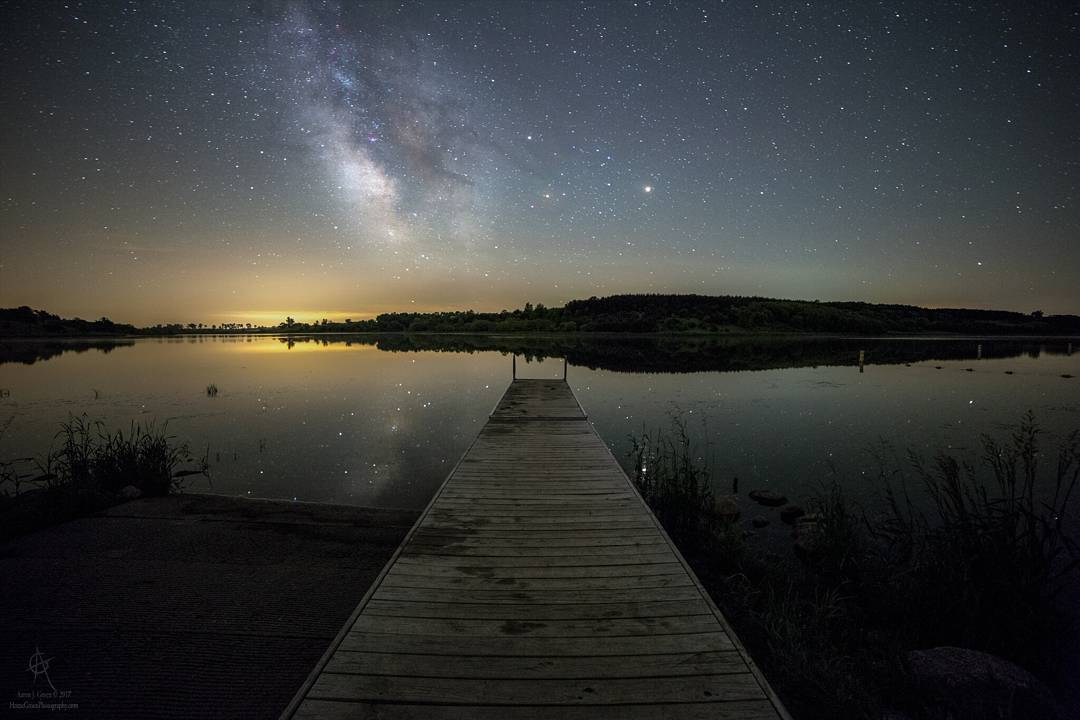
(536, 584)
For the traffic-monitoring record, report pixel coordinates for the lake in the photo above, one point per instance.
(380, 421)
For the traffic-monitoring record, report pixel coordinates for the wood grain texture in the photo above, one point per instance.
(537, 584)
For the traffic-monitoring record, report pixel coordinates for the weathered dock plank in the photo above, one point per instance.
(536, 584)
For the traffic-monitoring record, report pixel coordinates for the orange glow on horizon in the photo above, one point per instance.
(274, 318)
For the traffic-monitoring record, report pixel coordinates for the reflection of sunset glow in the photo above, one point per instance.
(299, 346)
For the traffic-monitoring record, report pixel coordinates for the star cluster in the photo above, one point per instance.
(173, 161)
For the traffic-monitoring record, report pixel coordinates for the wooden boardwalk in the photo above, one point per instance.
(537, 584)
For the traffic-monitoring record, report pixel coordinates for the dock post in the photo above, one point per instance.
(564, 369)
(513, 366)
(978, 352)
(862, 359)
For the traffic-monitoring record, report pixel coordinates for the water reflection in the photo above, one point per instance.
(32, 351)
(379, 420)
(674, 354)
(636, 354)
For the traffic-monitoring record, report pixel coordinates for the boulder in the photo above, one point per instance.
(807, 538)
(130, 492)
(760, 521)
(961, 683)
(726, 508)
(790, 513)
(768, 498)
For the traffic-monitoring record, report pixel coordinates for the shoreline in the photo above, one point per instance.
(188, 605)
(782, 334)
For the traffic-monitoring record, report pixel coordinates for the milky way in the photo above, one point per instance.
(205, 161)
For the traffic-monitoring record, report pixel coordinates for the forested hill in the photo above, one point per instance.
(658, 313)
(619, 314)
(26, 322)
(730, 313)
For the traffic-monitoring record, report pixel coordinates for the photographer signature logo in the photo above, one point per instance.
(39, 698)
(39, 665)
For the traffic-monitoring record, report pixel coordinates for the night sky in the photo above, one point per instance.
(212, 161)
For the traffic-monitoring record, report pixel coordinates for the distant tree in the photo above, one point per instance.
(289, 321)
(1037, 314)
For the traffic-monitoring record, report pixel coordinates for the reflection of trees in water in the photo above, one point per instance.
(662, 354)
(670, 354)
(31, 351)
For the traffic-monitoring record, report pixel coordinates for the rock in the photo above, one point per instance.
(791, 513)
(760, 521)
(130, 492)
(961, 683)
(807, 538)
(768, 498)
(726, 508)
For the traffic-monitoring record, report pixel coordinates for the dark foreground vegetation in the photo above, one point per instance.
(91, 469)
(640, 313)
(951, 602)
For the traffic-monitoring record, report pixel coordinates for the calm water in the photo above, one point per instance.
(379, 422)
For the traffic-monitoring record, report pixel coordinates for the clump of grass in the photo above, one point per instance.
(841, 533)
(985, 558)
(211, 390)
(675, 481)
(146, 456)
(89, 469)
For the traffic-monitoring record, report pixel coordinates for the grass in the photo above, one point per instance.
(211, 390)
(989, 554)
(967, 552)
(89, 470)
(675, 482)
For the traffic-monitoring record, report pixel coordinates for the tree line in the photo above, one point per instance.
(636, 313)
